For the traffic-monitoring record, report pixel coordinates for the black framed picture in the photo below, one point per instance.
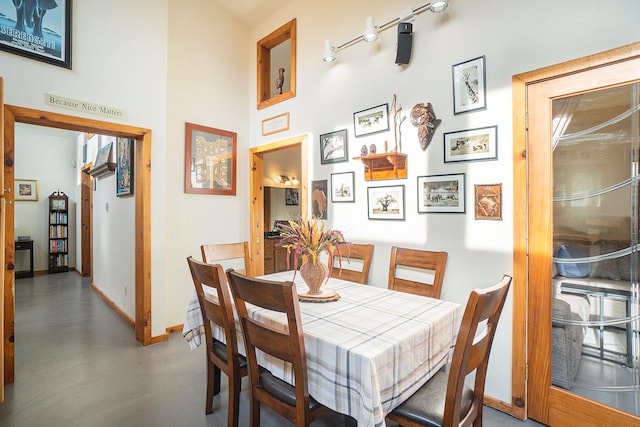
(124, 167)
(371, 120)
(469, 86)
(472, 144)
(40, 31)
(334, 147)
(342, 187)
(441, 193)
(386, 202)
(319, 199)
(291, 197)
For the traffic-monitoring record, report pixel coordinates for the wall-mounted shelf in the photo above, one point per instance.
(384, 166)
(103, 170)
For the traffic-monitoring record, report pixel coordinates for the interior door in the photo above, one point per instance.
(582, 196)
(2, 219)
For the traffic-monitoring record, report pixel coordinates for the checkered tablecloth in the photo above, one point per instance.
(370, 350)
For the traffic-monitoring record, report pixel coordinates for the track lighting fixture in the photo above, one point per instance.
(370, 33)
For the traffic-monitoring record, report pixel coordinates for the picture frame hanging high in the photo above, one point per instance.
(124, 167)
(372, 120)
(334, 147)
(47, 40)
(343, 187)
(26, 190)
(210, 160)
(471, 144)
(469, 86)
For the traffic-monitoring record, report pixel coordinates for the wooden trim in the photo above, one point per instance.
(175, 328)
(263, 62)
(113, 305)
(256, 196)
(523, 407)
(3, 218)
(498, 405)
(142, 179)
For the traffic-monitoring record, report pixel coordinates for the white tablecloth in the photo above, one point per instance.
(367, 352)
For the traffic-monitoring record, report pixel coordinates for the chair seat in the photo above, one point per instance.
(282, 390)
(426, 406)
(221, 351)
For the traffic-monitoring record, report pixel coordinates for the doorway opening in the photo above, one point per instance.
(142, 177)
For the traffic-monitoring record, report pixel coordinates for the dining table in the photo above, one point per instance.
(367, 352)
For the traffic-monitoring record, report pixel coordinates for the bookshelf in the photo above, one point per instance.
(58, 232)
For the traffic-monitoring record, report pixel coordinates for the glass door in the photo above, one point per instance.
(582, 246)
(595, 245)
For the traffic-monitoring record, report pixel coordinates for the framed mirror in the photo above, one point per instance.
(276, 61)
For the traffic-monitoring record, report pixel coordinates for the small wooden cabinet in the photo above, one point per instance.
(275, 258)
(58, 232)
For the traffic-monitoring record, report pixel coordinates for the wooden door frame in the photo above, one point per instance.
(86, 229)
(522, 334)
(256, 197)
(142, 184)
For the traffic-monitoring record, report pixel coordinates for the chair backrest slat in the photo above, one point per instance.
(417, 259)
(216, 253)
(356, 251)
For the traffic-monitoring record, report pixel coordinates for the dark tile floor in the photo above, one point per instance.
(78, 364)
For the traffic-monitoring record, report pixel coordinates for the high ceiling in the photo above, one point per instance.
(251, 11)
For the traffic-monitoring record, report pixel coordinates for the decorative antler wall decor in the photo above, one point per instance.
(424, 118)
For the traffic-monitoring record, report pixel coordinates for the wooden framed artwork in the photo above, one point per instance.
(26, 190)
(441, 193)
(124, 167)
(275, 124)
(470, 145)
(488, 201)
(210, 160)
(342, 187)
(319, 199)
(371, 120)
(386, 202)
(45, 35)
(469, 87)
(334, 147)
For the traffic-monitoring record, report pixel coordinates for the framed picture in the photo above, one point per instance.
(473, 144)
(124, 167)
(441, 193)
(209, 160)
(488, 201)
(319, 199)
(334, 147)
(469, 87)
(275, 124)
(26, 190)
(372, 120)
(104, 155)
(291, 197)
(342, 187)
(46, 39)
(386, 202)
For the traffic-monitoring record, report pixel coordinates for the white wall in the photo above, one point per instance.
(47, 156)
(514, 36)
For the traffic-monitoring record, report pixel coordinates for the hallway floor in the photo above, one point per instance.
(78, 364)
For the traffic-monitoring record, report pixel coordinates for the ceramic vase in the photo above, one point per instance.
(314, 276)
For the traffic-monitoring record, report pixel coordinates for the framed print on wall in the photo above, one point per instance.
(371, 120)
(469, 87)
(124, 167)
(342, 187)
(291, 197)
(386, 202)
(319, 199)
(488, 201)
(210, 160)
(45, 38)
(472, 144)
(334, 147)
(441, 193)
(26, 190)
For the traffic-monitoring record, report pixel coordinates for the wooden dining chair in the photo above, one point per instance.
(220, 357)
(445, 401)
(292, 402)
(406, 265)
(362, 253)
(217, 253)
